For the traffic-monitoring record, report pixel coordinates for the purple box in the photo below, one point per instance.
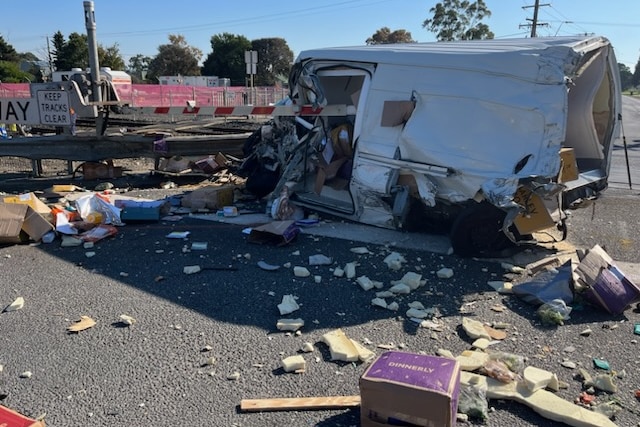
(401, 388)
(613, 291)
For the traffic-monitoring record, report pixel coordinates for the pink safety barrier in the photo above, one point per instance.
(149, 95)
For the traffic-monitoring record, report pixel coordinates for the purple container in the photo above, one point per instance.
(613, 291)
(409, 388)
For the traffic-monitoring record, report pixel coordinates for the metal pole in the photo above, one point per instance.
(96, 91)
(90, 22)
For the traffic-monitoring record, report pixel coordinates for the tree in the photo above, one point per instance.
(138, 67)
(635, 80)
(8, 52)
(274, 60)
(385, 36)
(110, 57)
(10, 72)
(175, 58)
(626, 77)
(459, 20)
(227, 58)
(74, 53)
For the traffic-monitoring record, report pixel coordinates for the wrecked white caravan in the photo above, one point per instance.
(497, 135)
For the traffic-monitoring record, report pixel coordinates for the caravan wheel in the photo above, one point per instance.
(477, 231)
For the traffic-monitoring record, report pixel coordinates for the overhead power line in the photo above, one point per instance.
(534, 22)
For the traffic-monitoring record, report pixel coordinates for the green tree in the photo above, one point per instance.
(110, 57)
(274, 60)
(74, 53)
(227, 58)
(626, 77)
(138, 67)
(459, 20)
(385, 36)
(175, 58)
(8, 52)
(10, 72)
(635, 79)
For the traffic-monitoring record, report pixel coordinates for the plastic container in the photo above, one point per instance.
(95, 218)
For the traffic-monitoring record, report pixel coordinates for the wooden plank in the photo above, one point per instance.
(298, 403)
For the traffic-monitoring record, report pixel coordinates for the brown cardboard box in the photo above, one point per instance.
(569, 168)
(210, 197)
(31, 200)
(536, 217)
(98, 170)
(278, 233)
(401, 388)
(19, 223)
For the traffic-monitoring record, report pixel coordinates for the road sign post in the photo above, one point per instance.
(251, 59)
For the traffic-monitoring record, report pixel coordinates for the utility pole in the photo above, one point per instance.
(534, 22)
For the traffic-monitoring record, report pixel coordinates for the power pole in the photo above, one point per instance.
(534, 22)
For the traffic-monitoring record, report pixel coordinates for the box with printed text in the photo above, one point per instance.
(401, 388)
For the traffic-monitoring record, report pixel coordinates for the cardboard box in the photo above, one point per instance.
(10, 418)
(19, 223)
(210, 197)
(31, 200)
(536, 217)
(603, 283)
(97, 170)
(401, 388)
(569, 165)
(277, 233)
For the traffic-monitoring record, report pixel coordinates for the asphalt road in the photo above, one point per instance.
(155, 373)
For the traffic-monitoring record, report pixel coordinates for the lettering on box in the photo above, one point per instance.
(535, 217)
(54, 107)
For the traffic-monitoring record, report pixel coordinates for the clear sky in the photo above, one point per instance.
(140, 26)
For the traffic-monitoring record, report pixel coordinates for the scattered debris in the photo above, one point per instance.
(543, 402)
(320, 259)
(345, 349)
(85, 322)
(301, 271)
(445, 273)
(289, 324)
(17, 304)
(288, 305)
(295, 364)
(191, 269)
(127, 320)
(361, 250)
(268, 267)
(474, 328)
(394, 261)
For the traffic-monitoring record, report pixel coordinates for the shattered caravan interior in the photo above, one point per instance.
(493, 145)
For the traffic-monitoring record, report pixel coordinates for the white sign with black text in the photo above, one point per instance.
(54, 107)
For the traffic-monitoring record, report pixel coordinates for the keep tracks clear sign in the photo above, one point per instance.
(54, 107)
(51, 107)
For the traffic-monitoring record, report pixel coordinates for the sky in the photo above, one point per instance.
(140, 26)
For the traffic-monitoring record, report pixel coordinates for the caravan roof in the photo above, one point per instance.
(509, 56)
